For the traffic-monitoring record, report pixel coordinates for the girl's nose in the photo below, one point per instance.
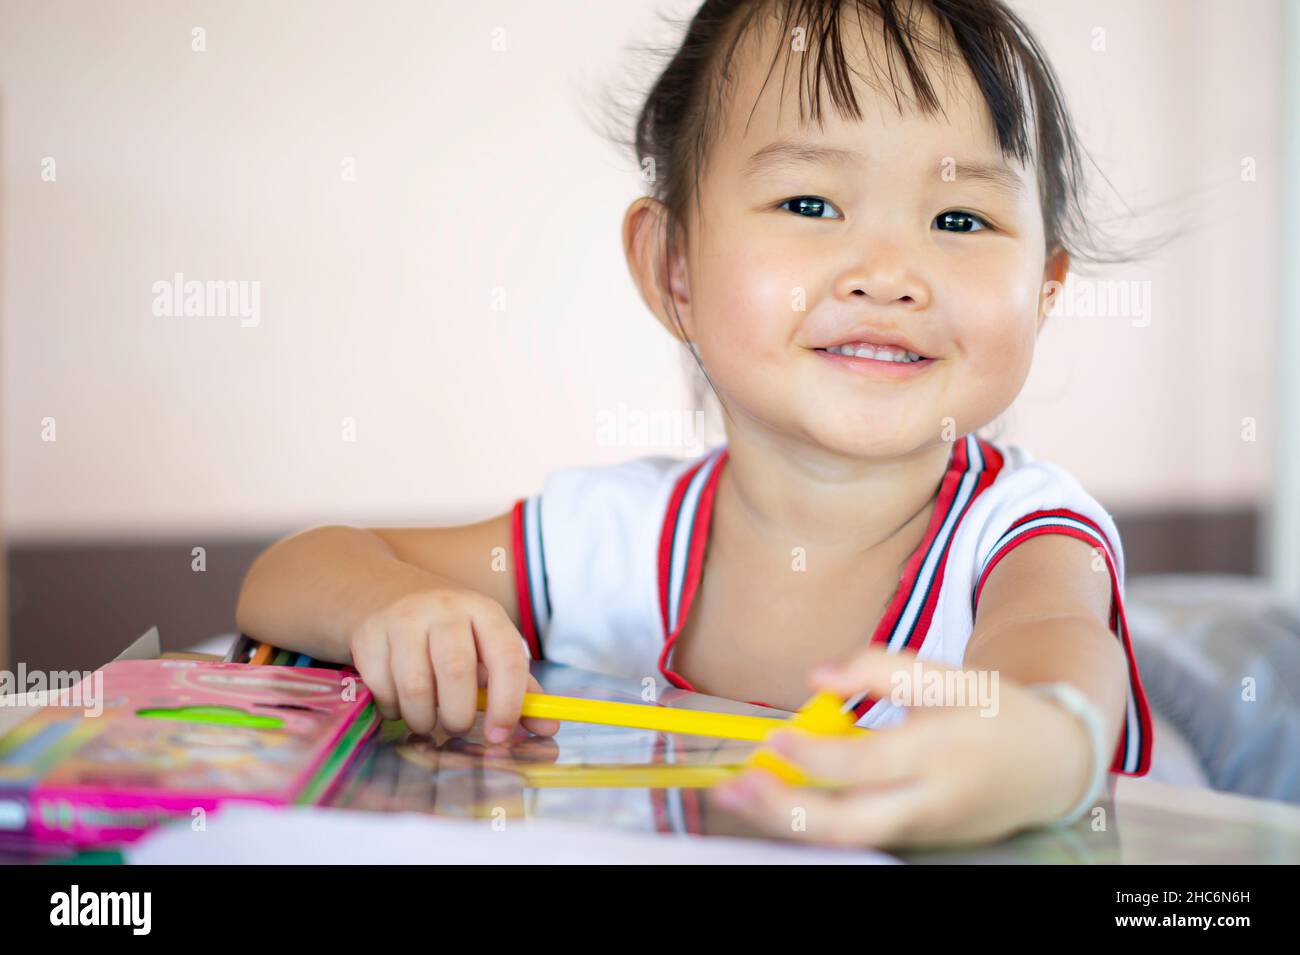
(886, 275)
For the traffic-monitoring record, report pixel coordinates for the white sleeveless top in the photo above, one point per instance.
(609, 558)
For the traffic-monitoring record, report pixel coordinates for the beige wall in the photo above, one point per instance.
(475, 171)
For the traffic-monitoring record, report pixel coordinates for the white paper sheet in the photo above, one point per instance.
(245, 835)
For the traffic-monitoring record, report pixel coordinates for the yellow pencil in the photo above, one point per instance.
(823, 713)
(645, 717)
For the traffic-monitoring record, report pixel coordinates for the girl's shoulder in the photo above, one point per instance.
(612, 512)
(633, 478)
(587, 553)
(1028, 494)
(1018, 472)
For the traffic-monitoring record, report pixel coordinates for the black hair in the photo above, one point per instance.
(680, 118)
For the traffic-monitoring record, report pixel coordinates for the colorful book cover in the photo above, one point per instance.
(27, 753)
(175, 740)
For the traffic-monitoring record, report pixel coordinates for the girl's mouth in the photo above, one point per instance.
(875, 352)
(886, 362)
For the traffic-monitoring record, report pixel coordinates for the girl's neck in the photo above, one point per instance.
(779, 495)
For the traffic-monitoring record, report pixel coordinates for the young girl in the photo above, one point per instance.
(863, 293)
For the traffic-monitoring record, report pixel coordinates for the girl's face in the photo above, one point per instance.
(844, 237)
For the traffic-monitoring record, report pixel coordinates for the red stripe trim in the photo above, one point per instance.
(1013, 542)
(1118, 622)
(699, 531)
(527, 625)
(992, 465)
(958, 466)
(666, 538)
(993, 459)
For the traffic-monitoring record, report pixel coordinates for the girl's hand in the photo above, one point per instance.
(425, 653)
(946, 775)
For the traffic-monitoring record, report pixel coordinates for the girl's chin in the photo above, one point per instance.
(891, 440)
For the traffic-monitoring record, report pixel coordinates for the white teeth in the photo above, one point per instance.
(879, 354)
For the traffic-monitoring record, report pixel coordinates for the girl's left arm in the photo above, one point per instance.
(1042, 618)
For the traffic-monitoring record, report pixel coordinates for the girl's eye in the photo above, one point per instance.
(810, 207)
(959, 221)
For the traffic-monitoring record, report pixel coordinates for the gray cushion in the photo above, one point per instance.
(1197, 637)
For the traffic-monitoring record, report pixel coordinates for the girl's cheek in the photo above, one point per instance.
(995, 304)
(750, 301)
(997, 349)
(990, 304)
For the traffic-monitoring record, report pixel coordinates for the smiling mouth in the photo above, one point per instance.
(886, 354)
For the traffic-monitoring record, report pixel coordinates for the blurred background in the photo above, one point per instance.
(430, 311)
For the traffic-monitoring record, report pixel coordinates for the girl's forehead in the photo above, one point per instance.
(771, 84)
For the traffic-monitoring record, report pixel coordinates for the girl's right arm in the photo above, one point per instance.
(426, 615)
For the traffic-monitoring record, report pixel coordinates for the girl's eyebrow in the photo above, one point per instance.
(798, 152)
(788, 153)
(998, 175)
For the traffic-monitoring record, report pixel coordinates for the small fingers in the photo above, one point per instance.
(537, 725)
(859, 819)
(507, 671)
(370, 655)
(880, 758)
(414, 677)
(451, 648)
(876, 671)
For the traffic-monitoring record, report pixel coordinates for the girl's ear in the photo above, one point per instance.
(1054, 272)
(662, 283)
